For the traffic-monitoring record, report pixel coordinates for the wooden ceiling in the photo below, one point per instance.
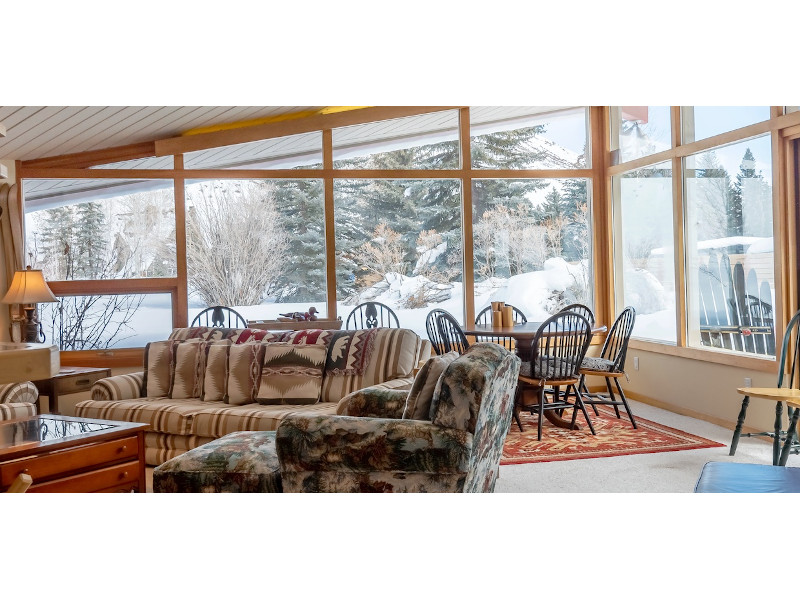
(42, 131)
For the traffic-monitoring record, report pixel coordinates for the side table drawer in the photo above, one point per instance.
(80, 382)
(92, 481)
(67, 461)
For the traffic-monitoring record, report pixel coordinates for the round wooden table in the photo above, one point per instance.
(523, 334)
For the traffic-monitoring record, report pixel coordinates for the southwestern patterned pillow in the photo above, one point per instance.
(157, 368)
(418, 405)
(350, 351)
(292, 373)
(244, 372)
(321, 337)
(183, 379)
(214, 367)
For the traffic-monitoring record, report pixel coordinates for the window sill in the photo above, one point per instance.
(767, 365)
(112, 358)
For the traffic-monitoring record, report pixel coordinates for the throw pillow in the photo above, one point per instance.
(418, 405)
(292, 373)
(157, 368)
(184, 382)
(244, 373)
(214, 369)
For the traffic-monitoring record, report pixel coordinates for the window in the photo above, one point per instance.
(729, 247)
(100, 228)
(644, 249)
(642, 130)
(101, 321)
(532, 244)
(287, 152)
(529, 137)
(256, 245)
(700, 122)
(427, 141)
(398, 242)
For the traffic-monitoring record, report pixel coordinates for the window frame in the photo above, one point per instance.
(783, 128)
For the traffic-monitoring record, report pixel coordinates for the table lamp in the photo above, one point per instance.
(29, 288)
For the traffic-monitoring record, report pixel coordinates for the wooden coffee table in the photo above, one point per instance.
(71, 454)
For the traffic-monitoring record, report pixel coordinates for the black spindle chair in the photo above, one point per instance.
(611, 365)
(485, 318)
(369, 315)
(582, 310)
(219, 316)
(787, 389)
(451, 332)
(557, 350)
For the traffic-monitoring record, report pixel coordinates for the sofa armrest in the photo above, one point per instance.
(16, 410)
(362, 445)
(119, 387)
(20, 392)
(384, 400)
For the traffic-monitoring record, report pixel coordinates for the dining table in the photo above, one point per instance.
(523, 334)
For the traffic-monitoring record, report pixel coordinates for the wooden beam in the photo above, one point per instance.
(180, 295)
(330, 225)
(601, 216)
(678, 211)
(83, 160)
(192, 143)
(467, 235)
(156, 285)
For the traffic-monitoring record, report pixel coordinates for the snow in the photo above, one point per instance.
(725, 242)
(763, 245)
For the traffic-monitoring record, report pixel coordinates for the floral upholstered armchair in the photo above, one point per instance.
(371, 448)
(18, 400)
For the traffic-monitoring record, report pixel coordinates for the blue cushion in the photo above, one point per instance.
(725, 477)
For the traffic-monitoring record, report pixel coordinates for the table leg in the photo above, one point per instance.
(53, 398)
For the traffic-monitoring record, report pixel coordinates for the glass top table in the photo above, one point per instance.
(46, 428)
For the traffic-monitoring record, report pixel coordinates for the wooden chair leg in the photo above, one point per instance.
(612, 397)
(739, 423)
(541, 412)
(776, 442)
(625, 403)
(790, 435)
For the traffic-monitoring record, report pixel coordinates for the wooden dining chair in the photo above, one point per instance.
(787, 390)
(219, 316)
(485, 318)
(610, 365)
(369, 315)
(557, 350)
(582, 310)
(451, 333)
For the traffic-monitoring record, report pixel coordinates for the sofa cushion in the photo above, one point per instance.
(418, 405)
(594, 363)
(162, 414)
(218, 420)
(291, 373)
(244, 372)
(214, 359)
(393, 354)
(184, 380)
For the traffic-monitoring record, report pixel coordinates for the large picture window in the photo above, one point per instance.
(255, 245)
(729, 247)
(532, 244)
(644, 250)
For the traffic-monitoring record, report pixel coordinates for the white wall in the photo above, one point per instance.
(697, 388)
(5, 335)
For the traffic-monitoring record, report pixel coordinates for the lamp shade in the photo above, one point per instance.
(28, 287)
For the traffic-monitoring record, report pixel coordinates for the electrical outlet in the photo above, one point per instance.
(635, 363)
(748, 382)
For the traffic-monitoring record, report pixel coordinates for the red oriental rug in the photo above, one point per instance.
(615, 437)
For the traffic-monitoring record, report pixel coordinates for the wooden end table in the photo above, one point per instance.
(71, 454)
(69, 380)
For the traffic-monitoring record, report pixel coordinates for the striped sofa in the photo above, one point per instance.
(18, 400)
(181, 424)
